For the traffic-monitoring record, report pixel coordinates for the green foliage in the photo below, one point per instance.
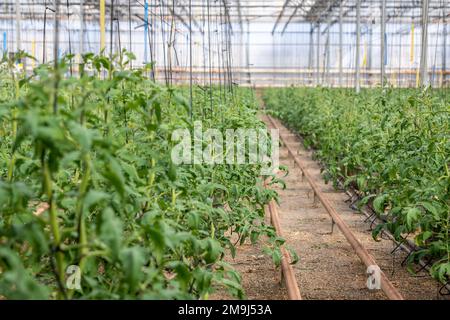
(91, 184)
(393, 145)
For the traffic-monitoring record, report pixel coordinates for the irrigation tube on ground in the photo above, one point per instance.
(388, 288)
(286, 267)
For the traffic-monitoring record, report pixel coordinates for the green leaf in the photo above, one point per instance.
(379, 203)
(82, 135)
(172, 172)
(111, 232)
(231, 284)
(93, 197)
(184, 275)
(376, 232)
(157, 108)
(412, 216)
(293, 254)
(132, 260)
(213, 251)
(441, 271)
(115, 176)
(431, 208)
(16, 283)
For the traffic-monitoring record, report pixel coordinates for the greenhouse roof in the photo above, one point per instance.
(237, 11)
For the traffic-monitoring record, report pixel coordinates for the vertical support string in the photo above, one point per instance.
(311, 52)
(111, 27)
(129, 32)
(444, 56)
(81, 44)
(55, 55)
(190, 59)
(383, 42)
(358, 40)
(411, 49)
(318, 55)
(209, 56)
(68, 33)
(341, 51)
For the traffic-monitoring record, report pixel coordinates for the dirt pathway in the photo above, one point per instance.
(260, 279)
(328, 266)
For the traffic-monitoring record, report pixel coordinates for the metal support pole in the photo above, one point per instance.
(318, 55)
(424, 47)
(130, 37)
(18, 20)
(81, 45)
(369, 55)
(383, 41)
(111, 27)
(56, 34)
(341, 51)
(190, 60)
(358, 40)
(311, 53)
(44, 45)
(146, 32)
(55, 55)
(327, 52)
(247, 54)
(444, 56)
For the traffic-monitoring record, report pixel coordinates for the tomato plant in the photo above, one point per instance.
(393, 146)
(86, 180)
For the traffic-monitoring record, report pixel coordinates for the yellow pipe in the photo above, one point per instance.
(418, 78)
(365, 56)
(411, 58)
(394, 79)
(33, 53)
(102, 25)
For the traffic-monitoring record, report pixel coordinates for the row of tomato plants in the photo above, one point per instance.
(392, 146)
(87, 185)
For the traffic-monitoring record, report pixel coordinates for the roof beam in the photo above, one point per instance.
(298, 7)
(280, 15)
(239, 10)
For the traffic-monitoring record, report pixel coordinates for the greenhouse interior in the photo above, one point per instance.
(224, 150)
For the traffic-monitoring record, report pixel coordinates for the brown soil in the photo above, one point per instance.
(328, 267)
(260, 279)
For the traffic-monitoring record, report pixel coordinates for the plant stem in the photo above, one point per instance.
(54, 225)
